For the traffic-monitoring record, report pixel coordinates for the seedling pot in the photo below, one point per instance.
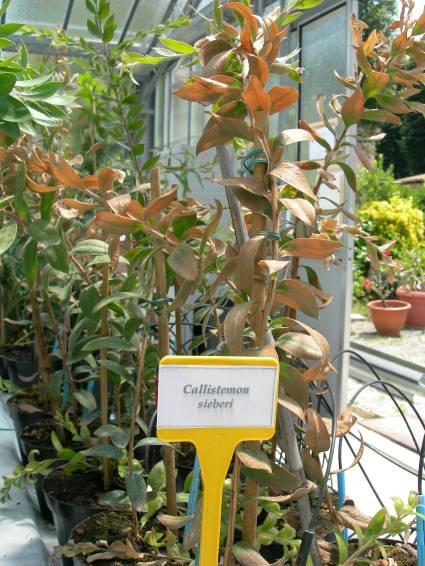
(22, 366)
(66, 514)
(389, 320)
(35, 490)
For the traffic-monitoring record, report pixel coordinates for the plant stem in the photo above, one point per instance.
(164, 350)
(135, 407)
(104, 331)
(233, 509)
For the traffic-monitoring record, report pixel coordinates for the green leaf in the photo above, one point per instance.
(7, 236)
(156, 477)
(114, 298)
(218, 16)
(46, 206)
(178, 46)
(88, 300)
(5, 42)
(44, 233)
(91, 247)
(108, 343)
(376, 525)
(86, 399)
(349, 174)
(90, 6)
(56, 442)
(139, 59)
(93, 28)
(4, 7)
(29, 261)
(8, 29)
(342, 547)
(57, 256)
(136, 490)
(11, 130)
(7, 82)
(307, 4)
(104, 451)
(151, 441)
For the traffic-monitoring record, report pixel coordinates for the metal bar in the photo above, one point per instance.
(129, 19)
(68, 14)
(165, 18)
(3, 18)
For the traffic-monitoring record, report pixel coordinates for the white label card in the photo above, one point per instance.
(202, 396)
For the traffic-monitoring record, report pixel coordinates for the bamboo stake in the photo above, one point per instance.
(164, 350)
(104, 406)
(288, 440)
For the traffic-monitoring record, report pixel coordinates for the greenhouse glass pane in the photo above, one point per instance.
(77, 24)
(40, 13)
(147, 14)
(179, 110)
(324, 43)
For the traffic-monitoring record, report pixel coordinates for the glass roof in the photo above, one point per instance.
(132, 15)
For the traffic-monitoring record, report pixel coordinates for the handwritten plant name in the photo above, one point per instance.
(207, 391)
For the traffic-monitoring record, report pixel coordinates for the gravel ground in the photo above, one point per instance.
(409, 346)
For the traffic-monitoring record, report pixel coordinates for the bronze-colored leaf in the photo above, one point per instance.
(245, 12)
(299, 296)
(64, 173)
(247, 260)
(220, 130)
(345, 422)
(157, 205)
(196, 92)
(356, 460)
(120, 203)
(281, 479)
(114, 223)
(281, 97)
(135, 211)
(184, 262)
(294, 385)
(250, 184)
(301, 209)
(374, 83)
(255, 459)
(301, 491)
(234, 326)
(313, 248)
(107, 177)
(172, 522)
(255, 96)
(258, 67)
(352, 110)
(316, 437)
(81, 206)
(292, 175)
(38, 188)
(291, 405)
(299, 345)
(273, 266)
(382, 116)
(350, 517)
(312, 467)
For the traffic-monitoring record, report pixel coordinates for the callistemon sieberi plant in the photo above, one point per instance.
(264, 274)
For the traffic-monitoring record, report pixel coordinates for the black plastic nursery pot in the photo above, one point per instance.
(64, 495)
(22, 367)
(108, 526)
(23, 414)
(35, 489)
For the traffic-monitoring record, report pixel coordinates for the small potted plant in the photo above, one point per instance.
(388, 315)
(412, 288)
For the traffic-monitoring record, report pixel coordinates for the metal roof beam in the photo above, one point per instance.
(68, 14)
(129, 19)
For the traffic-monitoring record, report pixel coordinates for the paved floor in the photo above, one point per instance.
(409, 346)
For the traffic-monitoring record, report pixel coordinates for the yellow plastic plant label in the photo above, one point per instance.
(216, 403)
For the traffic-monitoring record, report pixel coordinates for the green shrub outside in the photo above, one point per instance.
(389, 211)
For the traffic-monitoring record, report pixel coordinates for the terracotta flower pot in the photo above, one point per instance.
(416, 315)
(389, 320)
